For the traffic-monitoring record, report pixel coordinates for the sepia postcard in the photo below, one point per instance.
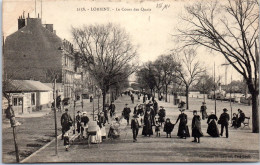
(142, 81)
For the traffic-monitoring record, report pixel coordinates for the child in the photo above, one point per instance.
(234, 120)
(168, 127)
(66, 141)
(157, 128)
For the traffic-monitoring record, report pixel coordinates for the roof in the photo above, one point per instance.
(28, 86)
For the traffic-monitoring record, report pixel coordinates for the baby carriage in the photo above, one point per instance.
(114, 132)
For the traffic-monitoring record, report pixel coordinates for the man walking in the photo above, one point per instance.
(112, 109)
(223, 120)
(126, 113)
(66, 122)
(203, 111)
(135, 127)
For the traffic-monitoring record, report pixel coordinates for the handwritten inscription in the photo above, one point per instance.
(162, 6)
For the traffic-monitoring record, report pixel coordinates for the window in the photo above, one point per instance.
(20, 101)
(15, 102)
(33, 98)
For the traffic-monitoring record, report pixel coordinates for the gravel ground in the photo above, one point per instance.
(241, 146)
(32, 134)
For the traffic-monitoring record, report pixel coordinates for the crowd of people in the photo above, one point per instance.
(149, 116)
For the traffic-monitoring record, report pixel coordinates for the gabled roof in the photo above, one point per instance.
(28, 86)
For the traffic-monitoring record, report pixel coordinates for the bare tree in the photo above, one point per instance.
(107, 52)
(146, 77)
(189, 70)
(231, 29)
(168, 67)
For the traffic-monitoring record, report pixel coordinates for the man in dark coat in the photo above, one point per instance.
(66, 122)
(78, 121)
(196, 127)
(223, 120)
(126, 113)
(241, 118)
(203, 111)
(135, 127)
(155, 106)
(112, 109)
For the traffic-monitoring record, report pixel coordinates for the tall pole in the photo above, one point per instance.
(15, 145)
(35, 9)
(55, 118)
(82, 103)
(93, 103)
(41, 9)
(230, 95)
(215, 90)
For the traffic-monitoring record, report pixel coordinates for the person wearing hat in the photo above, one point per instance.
(66, 122)
(162, 115)
(183, 130)
(212, 125)
(203, 111)
(196, 127)
(223, 121)
(147, 128)
(126, 113)
(241, 118)
(112, 109)
(155, 106)
(78, 121)
(181, 104)
(135, 127)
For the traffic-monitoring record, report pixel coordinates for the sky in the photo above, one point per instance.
(150, 28)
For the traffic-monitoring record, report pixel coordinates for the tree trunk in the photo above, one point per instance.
(166, 90)
(187, 97)
(255, 115)
(104, 93)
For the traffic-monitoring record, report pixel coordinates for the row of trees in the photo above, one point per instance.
(107, 53)
(182, 69)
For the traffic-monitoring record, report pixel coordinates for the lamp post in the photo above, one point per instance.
(55, 117)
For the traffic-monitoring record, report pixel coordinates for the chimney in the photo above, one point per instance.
(49, 27)
(21, 22)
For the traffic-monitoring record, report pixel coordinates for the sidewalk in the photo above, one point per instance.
(160, 149)
(36, 129)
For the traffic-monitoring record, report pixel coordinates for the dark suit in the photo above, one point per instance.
(223, 120)
(135, 127)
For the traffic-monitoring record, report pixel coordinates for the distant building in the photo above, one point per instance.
(35, 52)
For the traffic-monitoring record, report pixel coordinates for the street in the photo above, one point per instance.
(242, 145)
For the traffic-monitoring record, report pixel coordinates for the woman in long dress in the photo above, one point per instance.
(147, 129)
(196, 127)
(183, 130)
(212, 125)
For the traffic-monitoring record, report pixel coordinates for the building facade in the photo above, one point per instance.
(35, 52)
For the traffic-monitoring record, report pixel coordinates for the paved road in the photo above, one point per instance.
(242, 145)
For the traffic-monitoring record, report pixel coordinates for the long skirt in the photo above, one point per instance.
(196, 132)
(213, 129)
(183, 130)
(96, 138)
(147, 130)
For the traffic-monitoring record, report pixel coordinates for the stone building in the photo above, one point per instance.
(35, 52)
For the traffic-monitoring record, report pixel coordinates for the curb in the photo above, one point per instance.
(39, 150)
